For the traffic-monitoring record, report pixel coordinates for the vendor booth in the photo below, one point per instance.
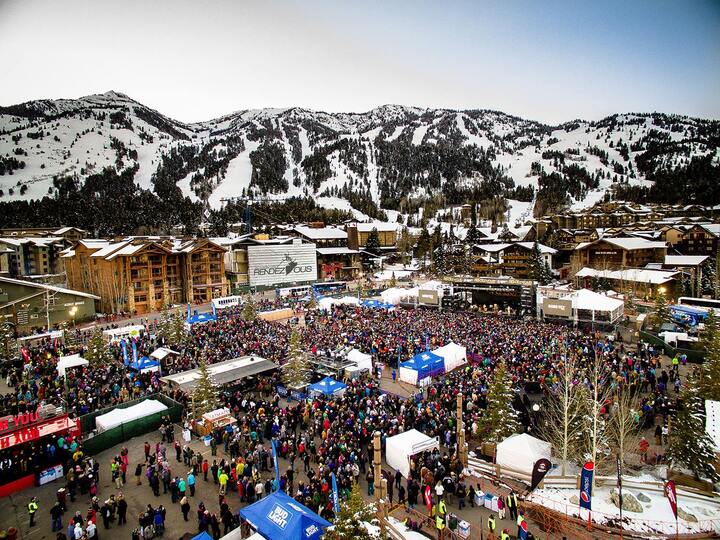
(327, 387)
(453, 355)
(360, 363)
(519, 452)
(423, 366)
(163, 352)
(119, 416)
(400, 448)
(217, 419)
(71, 361)
(280, 516)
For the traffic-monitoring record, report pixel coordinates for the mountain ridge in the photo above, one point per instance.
(393, 157)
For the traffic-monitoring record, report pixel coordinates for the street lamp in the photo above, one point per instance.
(536, 407)
(73, 312)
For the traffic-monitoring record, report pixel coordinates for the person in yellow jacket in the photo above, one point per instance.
(491, 527)
(32, 508)
(505, 535)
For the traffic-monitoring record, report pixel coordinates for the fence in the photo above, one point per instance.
(692, 354)
(107, 439)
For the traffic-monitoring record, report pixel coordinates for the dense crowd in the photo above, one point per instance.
(324, 436)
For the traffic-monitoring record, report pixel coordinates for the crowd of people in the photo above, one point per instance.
(320, 436)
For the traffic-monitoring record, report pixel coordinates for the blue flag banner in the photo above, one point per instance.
(586, 485)
(135, 353)
(123, 346)
(275, 463)
(335, 496)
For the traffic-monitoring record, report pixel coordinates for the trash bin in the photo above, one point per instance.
(12, 533)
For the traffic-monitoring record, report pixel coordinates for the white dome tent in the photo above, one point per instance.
(453, 354)
(518, 453)
(399, 448)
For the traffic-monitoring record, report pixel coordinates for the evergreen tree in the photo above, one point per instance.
(709, 383)
(373, 242)
(204, 396)
(350, 521)
(97, 353)
(499, 420)
(688, 443)
(424, 245)
(393, 280)
(539, 270)
(440, 259)
(296, 371)
(662, 312)
(249, 309)
(472, 235)
(8, 342)
(473, 214)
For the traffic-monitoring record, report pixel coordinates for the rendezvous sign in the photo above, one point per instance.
(281, 264)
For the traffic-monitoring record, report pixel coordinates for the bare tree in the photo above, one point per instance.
(622, 427)
(563, 413)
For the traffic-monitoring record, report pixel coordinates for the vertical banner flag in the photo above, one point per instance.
(428, 497)
(123, 346)
(523, 531)
(671, 495)
(586, 485)
(619, 483)
(336, 498)
(275, 462)
(541, 468)
(135, 353)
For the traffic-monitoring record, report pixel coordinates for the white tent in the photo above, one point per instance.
(361, 360)
(454, 355)
(519, 453)
(162, 352)
(327, 302)
(74, 360)
(399, 449)
(394, 295)
(122, 416)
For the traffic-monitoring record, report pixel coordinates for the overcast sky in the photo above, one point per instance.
(195, 60)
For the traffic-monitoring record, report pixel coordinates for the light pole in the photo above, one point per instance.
(73, 312)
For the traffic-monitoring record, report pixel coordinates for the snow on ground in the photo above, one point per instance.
(656, 517)
(238, 176)
(336, 203)
(419, 134)
(519, 211)
(406, 533)
(396, 133)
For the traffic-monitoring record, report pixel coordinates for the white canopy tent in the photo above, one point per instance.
(519, 452)
(162, 352)
(327, 302)
(395, 295)
(360, 359)
(117, 417)
(454, 355)
(71, 361)
(400, 448)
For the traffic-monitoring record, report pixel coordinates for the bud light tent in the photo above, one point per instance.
(518, 453)
(65, 362)
(327, 387)
(453, 354)
(280, 516)
(400, 448)
(423, 365)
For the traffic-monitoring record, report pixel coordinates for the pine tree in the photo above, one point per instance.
(424, 246)
(440, 259)
(204, 396)
(688, 443)
(249, 309)
(393, 280)
(662, 312)
(296, 371)
(709, 382)
(373, 242)
(8, 341)
(97, 353)
(472, 235)
(539, 270)
(499, 420)
(353, 514)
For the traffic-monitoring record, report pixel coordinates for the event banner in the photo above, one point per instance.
(335, 496)
(123, 346)
(270, 265)
(541, 468)
(671, 494)
(428, 497)
(586, 485)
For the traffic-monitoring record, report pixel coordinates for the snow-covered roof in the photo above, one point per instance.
(64, 230)
(45, 286)
(627, 243)
(637, 275)
(542, 247)
(492, 248)
(336, 251)
(685, 260)
(321, 233)
(589, 300)
(108, 249)
(379, 225)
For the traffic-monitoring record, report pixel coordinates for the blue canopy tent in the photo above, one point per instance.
(377, 304)
(202, 536)
(423, 365)
(145, 364)
(280, 516)
(196, 317)
(327, 387)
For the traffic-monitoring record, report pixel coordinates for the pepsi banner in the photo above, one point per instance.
(123, 346)
(134, 352)
(586, 485)
(335, 496)
(275, 462)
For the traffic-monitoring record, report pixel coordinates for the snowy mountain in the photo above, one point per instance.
(392, 156)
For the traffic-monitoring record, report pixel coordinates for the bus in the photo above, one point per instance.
(226, 302)
(330, 287)
(706, 303)
(299, 291)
